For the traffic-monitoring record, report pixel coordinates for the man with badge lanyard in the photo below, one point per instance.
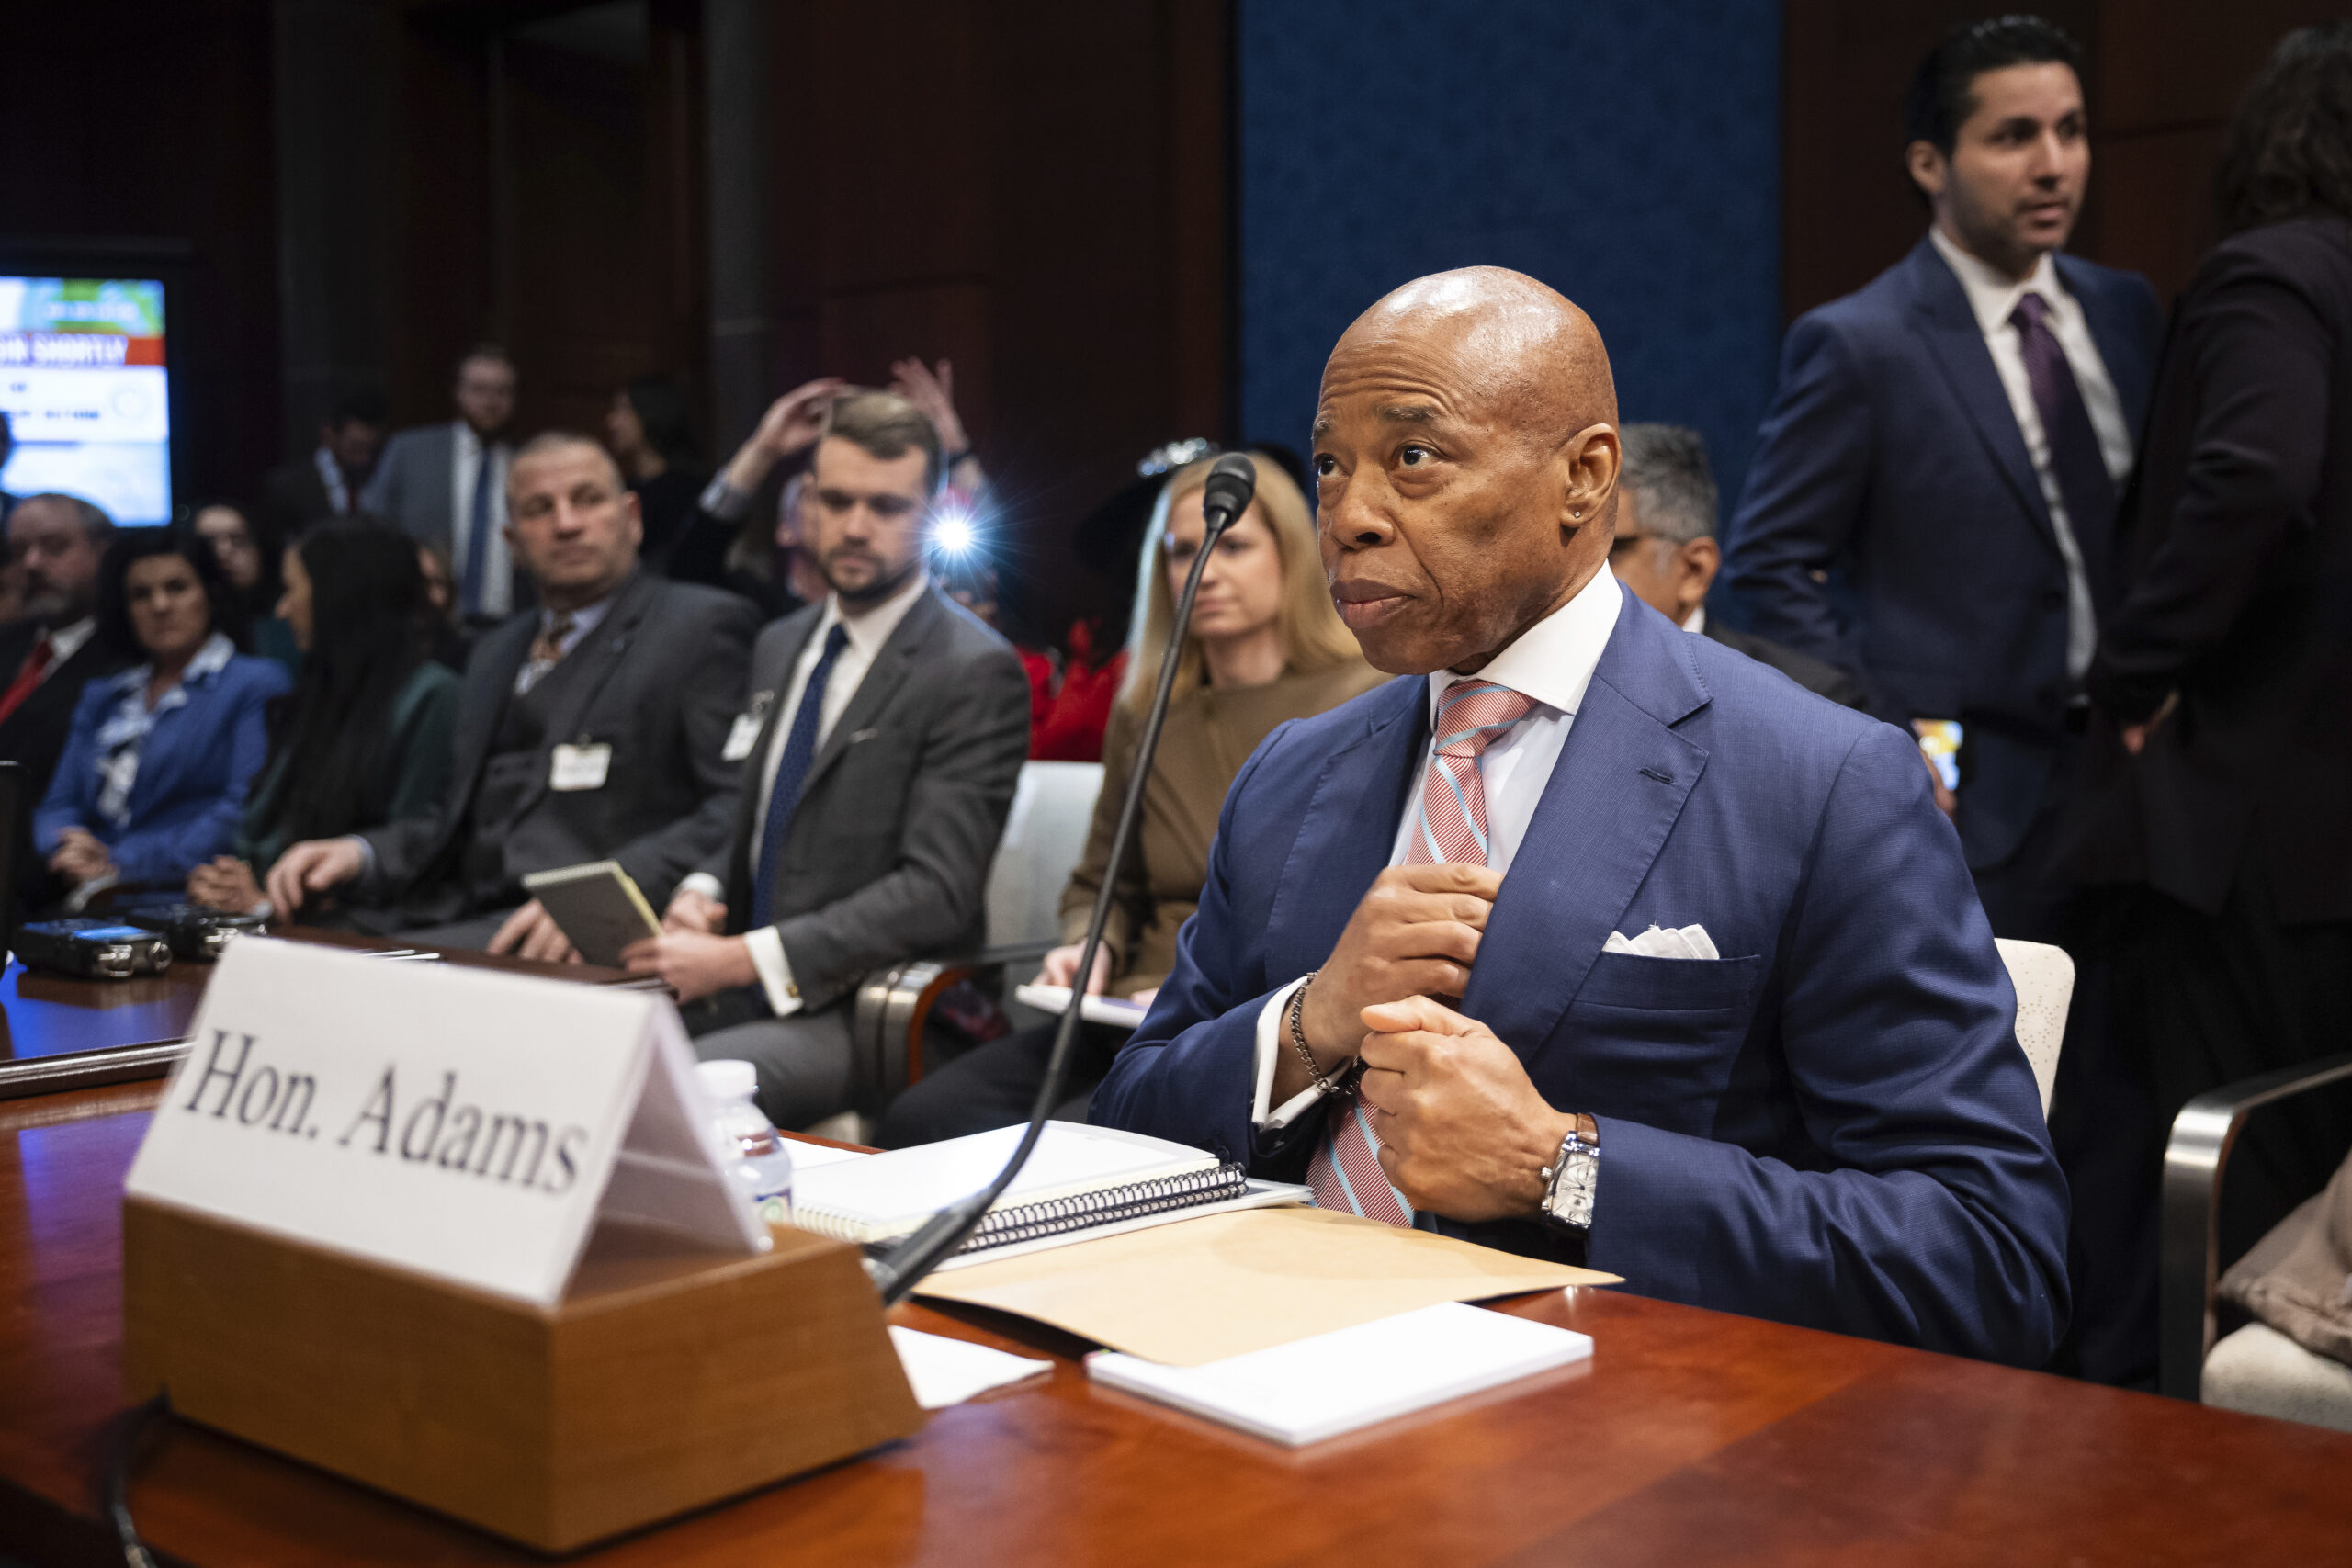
(592, 727)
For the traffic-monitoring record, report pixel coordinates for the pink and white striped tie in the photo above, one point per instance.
(1449, 826)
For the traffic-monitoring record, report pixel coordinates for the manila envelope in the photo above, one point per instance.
(1225, 1284)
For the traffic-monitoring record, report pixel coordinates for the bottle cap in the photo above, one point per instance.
(726, 1080)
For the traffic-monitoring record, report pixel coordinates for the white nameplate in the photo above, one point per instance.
(462, 1123)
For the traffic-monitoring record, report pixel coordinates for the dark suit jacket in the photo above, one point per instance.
(414, 489)
(34, 736)
(2239, 531)
(1830, 1125)
(663, 678)
(195, 767)
(888, 854)
(1815, 675)
(1891, 458)
(292, 498)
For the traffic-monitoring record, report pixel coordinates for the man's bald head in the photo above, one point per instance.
(1465, 455)
(1528, 347)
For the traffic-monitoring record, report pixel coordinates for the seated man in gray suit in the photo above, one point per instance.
(590, 728)
(444, 485)
(886, 732)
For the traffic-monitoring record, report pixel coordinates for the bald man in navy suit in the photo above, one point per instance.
(1585, 937)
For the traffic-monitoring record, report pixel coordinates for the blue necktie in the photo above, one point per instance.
(791, 771)
(469, 586)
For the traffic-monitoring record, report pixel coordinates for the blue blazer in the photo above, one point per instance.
(1832, 1125)
(193, 770)
(1890, 457)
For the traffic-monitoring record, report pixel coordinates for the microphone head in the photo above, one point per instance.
(1231, 483)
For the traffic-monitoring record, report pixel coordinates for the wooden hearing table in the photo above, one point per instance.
(57, 1033)
(1690, 1436)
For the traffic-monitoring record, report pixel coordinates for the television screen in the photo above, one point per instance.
(82, 382)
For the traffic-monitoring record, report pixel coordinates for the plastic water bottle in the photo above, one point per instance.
(763, 1162)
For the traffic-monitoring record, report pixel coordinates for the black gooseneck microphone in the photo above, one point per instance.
(1230, 485)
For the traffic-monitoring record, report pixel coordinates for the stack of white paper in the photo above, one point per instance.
(1318, 1388)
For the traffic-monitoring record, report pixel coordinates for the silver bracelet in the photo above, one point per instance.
(1329, 1083)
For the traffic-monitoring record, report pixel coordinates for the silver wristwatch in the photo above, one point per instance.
(1572, 1177)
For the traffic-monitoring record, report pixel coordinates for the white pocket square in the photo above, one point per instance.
(1690, 941)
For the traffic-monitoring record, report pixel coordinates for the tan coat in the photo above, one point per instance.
(1209, 733)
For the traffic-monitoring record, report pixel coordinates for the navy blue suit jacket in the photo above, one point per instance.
(195, 769)
(1832, 1125)
(1891, 458)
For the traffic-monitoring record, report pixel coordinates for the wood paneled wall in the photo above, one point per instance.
(2163, 77)
(148, 121)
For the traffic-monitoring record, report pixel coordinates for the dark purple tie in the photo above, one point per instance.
(2075, 460)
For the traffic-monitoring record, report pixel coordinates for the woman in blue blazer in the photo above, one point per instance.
(155, 771)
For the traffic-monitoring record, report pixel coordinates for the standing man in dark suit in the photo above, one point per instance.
(55, 542)
(444, 485)
(2217, 819)
(884, 736)
(1589, 937)
(1946, 449)
(329, 481)
(588, 729)
(1664, 551)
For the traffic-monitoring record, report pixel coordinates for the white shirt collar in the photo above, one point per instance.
(67, 641)
(1696, 621)
(1992, 296)
(869, 629)
(1552, 660)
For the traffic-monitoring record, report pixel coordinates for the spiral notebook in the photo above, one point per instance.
(1077, 1178)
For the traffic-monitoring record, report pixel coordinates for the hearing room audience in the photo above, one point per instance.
(1264, 646)
(153, 776)
(364, 740)
(588, 729)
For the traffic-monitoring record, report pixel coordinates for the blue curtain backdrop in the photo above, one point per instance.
(1627, 154)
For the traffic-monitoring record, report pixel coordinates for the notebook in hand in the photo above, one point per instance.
(597, 905)
(1076, 1177)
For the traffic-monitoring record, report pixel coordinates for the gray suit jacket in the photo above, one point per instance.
(414, 489)
(888, 854)
(664, 679)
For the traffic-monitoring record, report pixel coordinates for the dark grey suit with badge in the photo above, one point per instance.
(656, 681)
(886, 856)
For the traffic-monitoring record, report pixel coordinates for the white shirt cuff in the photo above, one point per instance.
(723, 500)
(702, 882)
(1272, 1042)
(776, 972)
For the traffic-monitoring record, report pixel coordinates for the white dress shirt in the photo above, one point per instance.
(330, 476)
(867, 630)
(1552, 663)
(67, 641)
(1993, 298)
(498, 569)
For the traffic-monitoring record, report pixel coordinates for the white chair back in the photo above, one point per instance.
(2043, 977)
(1053, 806)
